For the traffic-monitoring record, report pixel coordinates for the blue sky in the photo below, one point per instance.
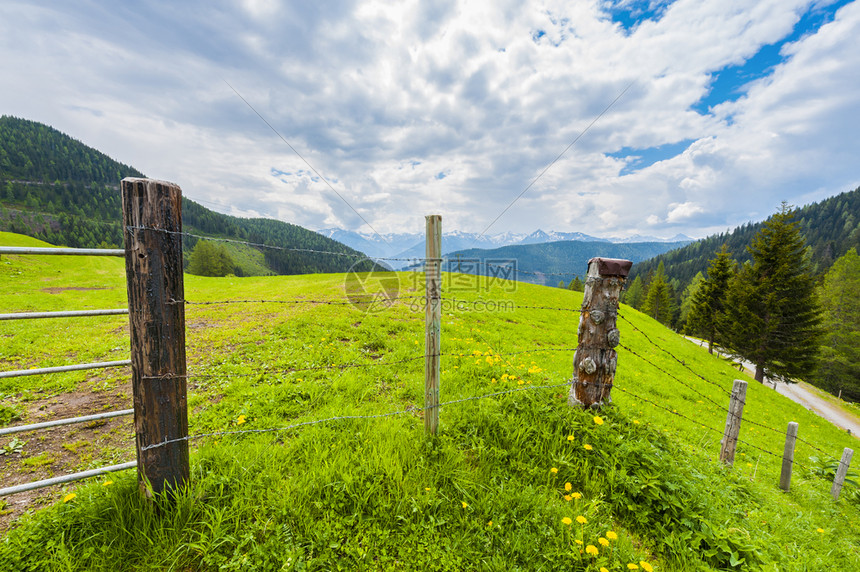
(453, 107)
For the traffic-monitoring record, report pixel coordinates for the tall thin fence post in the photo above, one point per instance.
(152, 217)
(595, 359)
(788, 456)
(841, 472)
(432, 322)
(733, 422)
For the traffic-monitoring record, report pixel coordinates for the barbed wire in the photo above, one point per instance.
(358, 257)
(381, 298)
(409, 409)
(515, 305)
(670, 354)
(691, 420)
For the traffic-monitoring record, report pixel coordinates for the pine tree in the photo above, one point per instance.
(708, 305)
(633, 295)
(772, 314)
(210, 259)
(576, 285)
(839, 370)
(660, 299)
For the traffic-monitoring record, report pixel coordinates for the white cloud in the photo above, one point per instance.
(383, 98)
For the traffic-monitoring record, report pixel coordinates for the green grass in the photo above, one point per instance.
(376, 494)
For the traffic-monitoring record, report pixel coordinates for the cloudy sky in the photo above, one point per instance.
(664, 117)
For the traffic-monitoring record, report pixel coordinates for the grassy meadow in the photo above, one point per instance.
(515, 481)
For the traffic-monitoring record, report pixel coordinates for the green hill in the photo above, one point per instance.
(516, 479)
(57, 189)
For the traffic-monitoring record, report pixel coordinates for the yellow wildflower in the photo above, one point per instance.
(636, 422)
(603, 569)
(632, 566)
(464, 504)
(568, 487)
(567, 497)
(578, 542)
(570, 437)
(427, 489)
(490, 523)
(587, 447)
(577, 496)
(107, 483)
(489, 360)
(598, 420)
(610, 534)
(520, 382)
(566, 520)
(602, 541)
(820, 530)
(241, 419)
(69, 497)
(553, 470)
(581, 519)
(591, 549)
(645, 566)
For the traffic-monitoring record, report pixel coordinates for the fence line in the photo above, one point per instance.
(72, 314)
(69, 421)
(66, 478)
(63, 368)
(45, 251)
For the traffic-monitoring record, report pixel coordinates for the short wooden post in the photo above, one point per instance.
(839, 480)
(788, 456)
(152, 219)
(432, 322)
(733, 422)
(595, 359)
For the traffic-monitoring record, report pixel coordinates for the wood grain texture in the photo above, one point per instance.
(595, 359)
(432, 322)
(729, 443)
(788, 456)
(153, 265)
(841, 473)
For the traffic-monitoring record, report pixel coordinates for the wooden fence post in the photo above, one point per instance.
(841, 472)
(733, 422)
(788, 456)
(152, 219)
(432, 322)
(595, 359)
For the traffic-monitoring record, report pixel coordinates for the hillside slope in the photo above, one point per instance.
(516, 479)
(59, 190)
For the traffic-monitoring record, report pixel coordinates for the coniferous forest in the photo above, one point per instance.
(57, 189)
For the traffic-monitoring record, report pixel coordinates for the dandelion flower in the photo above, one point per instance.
(553, 470)
(581, 519)
(645, 566)
(820, 530)
(490, 523)
(568, 487)
(587, 447)
(567, 498)
(598, 420)
(566, 520)
(632, 566)
(603, 569)
(591, 549)
(602, 541)
(570, 437)
(636, 422)
(241, 419)
(107, 483)
(427, 489)
(578, 542)
(464, 504)
(577, 496)
(610, 534)
(69, 497)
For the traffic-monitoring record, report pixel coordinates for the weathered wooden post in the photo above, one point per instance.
(595, 359)
(432, 321)
(733, 422)
(152, 221)
(841, 472)
(788, 456)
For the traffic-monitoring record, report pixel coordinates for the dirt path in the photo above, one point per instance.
(805, 395)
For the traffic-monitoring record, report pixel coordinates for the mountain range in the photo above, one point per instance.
(411, 245)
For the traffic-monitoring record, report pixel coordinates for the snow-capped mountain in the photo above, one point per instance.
(411, 245)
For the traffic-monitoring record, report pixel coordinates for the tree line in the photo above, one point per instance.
(770, 308)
